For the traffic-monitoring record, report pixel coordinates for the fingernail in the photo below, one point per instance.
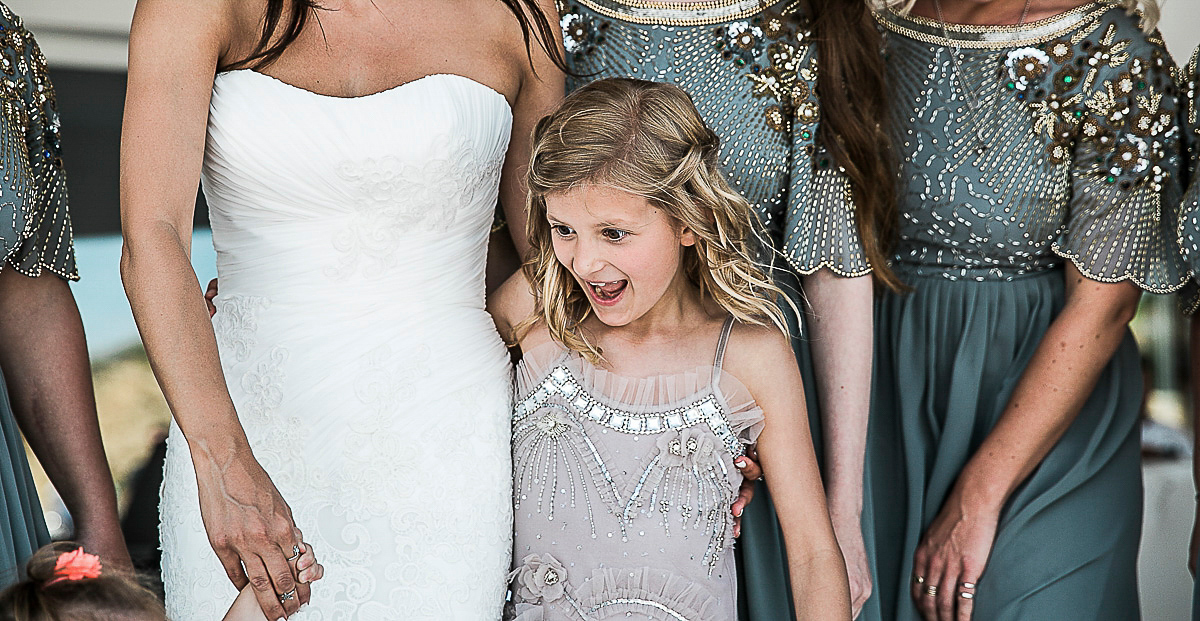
(740, 463)
(738, 512)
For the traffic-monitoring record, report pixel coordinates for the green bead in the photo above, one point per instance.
(1141, 86)
(1068, 79)
(806, 134)
(1011, 86)
(739, 62)
(719, 44)
(1110, 179)
(1079, 114)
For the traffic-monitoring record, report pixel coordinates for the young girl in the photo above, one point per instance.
(653, 354)
(64, 582)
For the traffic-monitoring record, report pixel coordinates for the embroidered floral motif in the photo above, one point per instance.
(539, 578)
(581, 34)
(236, 324)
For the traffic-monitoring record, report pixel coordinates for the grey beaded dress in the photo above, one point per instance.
(751, 69)
(35, 237)
(1070, 155)
(1189, 213)
(622, 488)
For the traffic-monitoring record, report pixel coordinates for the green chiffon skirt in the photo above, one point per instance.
(948, 356)
(22, 526)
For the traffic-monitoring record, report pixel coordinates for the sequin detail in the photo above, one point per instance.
(1189, 210)
(1081, 161)
(35, 226)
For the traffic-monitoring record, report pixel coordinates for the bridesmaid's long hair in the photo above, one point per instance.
(851, 84)
(278, 33)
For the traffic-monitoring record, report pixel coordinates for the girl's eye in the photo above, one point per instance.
(561, 230)
(614, 234)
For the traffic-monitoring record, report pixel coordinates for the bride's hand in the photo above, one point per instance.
(250, 528)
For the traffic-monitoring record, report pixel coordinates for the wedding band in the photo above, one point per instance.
(967, 585)
(919, 579)
(967, 595)
(931, 590)
(295, 554)
(288, 596)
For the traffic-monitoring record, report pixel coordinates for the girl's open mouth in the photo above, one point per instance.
(607, 293)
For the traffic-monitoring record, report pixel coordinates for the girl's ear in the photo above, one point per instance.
(687, 238)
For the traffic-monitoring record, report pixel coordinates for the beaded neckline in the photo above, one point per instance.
(675, 13)
(990, 37)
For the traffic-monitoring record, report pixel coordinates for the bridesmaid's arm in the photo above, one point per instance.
(762, 358)
(1060, 377)
(173, 54)
(842, 332)
(45, 363)
(1194, 370)
(542, 88)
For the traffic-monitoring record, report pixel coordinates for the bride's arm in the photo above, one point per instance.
(542, 88)
(174, 50)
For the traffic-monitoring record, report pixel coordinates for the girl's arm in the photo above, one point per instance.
(173, 54)
(45, 363)
(1061, 375)
(762, 358)
(841, 330)
(1194, 360)
(245, 607)
(542, 88)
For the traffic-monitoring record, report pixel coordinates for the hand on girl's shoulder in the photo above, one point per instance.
(510, 304)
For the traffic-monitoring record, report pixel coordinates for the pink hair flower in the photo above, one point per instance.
(76, 565)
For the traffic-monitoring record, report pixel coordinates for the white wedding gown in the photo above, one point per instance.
(351, 237)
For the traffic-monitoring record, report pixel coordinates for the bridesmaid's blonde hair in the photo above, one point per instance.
(1149, 9)
(647, 139)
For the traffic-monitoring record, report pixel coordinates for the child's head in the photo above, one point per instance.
(66, 583)
(627, 208)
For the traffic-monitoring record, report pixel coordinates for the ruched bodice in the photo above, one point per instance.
(351, 238)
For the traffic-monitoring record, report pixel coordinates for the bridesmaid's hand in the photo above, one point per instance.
(209, 294)
(250, 528)
(951, 558)
(751, 473)
(848, 531)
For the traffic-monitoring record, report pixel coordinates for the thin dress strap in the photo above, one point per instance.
(719, 359)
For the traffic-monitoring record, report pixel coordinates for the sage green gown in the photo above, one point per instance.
(1070, 155)
(35, 236)
(1189, 213)
(751, 69)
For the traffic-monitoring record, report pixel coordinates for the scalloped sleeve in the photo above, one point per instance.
(1189, 210)
(1125, 176)
(820, 228)
(35, 225)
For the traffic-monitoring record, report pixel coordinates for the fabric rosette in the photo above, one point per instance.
(539, 577)
(689, 447)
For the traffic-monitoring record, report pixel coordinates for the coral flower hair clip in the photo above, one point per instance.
(76, 565)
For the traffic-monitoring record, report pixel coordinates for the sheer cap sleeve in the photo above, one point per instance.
(35, 226)
(1113, 112)
(820, 227)
(1189, 211)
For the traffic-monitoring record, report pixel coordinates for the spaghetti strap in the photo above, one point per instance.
(719, 359)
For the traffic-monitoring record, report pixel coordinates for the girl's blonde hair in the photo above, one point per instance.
(54, 592)
(1149, 9)
(647, 139)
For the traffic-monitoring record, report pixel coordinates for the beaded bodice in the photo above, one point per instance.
(35, 227)
(1079, 156)
(751, 69)
(1189, 212)
(622, 489)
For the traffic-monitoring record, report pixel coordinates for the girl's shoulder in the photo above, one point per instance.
(760, 357)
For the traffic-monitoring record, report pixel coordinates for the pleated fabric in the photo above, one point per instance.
(948, 357)
(22, 526)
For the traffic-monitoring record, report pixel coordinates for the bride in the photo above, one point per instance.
(351, 155)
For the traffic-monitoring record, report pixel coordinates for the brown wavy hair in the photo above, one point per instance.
(852, 87)
(114, 594)
(648, 139)
(279, 33)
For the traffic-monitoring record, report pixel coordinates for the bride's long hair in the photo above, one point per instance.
(645, 138)
(284, 20)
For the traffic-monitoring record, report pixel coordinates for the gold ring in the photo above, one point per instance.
(931, 590)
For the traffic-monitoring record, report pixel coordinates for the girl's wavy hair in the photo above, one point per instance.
(45, 595)
(645, 138)
(1149, 10)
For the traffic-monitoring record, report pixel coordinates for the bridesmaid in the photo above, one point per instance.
(752, 69)
(1038, 138)
(45, 380)
(1189, 237)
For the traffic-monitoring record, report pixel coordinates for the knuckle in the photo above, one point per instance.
(261, 583)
